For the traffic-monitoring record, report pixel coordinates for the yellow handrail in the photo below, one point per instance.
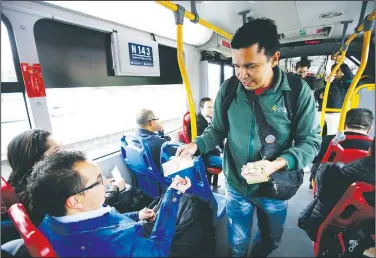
(334, 110)
(184, 74)
(326, 91)
(173, 7)
(355, 96)
(343, 51)
(370, 17)
(179, 38)
(354, 82)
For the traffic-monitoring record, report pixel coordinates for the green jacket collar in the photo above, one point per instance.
(280, 83)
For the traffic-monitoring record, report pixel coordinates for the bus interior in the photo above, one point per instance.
(91, 92)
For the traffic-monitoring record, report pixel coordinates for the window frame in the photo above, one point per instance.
(19, 86)
(13, 87)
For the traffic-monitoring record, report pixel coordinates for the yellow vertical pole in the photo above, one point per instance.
(326, 91)
(179, 16)
(363, 63)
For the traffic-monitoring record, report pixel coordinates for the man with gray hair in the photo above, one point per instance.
(151, 129)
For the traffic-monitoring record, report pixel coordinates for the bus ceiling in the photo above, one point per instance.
(299, 21)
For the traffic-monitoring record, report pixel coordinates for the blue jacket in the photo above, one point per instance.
(155, 142)
(114, 234)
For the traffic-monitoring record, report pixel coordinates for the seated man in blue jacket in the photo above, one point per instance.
(151, 129)
(71, 190)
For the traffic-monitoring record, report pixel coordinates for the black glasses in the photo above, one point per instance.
(154, 119)
(98, 182)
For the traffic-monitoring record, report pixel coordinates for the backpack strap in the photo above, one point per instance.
(230, 93)
(291, 99)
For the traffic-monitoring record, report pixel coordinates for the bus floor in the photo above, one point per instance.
(295, 242)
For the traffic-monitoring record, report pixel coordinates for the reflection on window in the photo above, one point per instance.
(84, 113)
(13, 119)
(8, 72)
(228, 72)
(214, 77)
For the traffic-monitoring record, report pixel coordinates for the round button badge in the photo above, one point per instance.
(270, 139)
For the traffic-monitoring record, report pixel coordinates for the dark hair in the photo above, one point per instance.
(304, 62)
(359, 118)
(203, 100)
(52, 181)
(24, 151)
(262, 31)
(345, 69)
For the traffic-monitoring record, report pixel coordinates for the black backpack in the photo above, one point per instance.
(132, 199)
(195, 233)
(283, 184)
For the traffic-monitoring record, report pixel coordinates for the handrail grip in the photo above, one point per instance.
(173, 7)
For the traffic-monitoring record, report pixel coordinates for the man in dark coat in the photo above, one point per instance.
(203, 120)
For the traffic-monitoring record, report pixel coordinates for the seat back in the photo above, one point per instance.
(200, 186)
(36, 243)
(186, 121)
(137, 156)
(336, 153)
(350, 210)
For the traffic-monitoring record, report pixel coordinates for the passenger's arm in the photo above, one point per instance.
(111, 195)
(215, 133)
(134, 215)
(307, 137)
(159, 242)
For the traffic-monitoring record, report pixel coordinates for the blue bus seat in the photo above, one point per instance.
(137, 156)
(200, 186)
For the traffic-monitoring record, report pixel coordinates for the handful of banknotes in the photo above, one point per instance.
(254, 173)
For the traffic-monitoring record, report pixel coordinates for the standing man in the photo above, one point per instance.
(255, 57)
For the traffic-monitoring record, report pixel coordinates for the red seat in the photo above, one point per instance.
(335, 223)
(186, 139)
(36, 243)
(345, 155)
(186, 121)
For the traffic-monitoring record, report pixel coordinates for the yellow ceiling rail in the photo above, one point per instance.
(356, 98)
(180, 13)
(369, 17)
(173, 7)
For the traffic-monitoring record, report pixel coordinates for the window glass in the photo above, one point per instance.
(14, 119)
(228, 72)
(8, 72)
(86, 114)
(214, 77)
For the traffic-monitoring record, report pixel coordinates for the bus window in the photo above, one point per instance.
(14, 118)
(214, 80)
(228, 72)
(89, 107)
(8, 72)
(86, 113)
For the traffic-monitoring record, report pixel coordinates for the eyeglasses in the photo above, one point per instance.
(98, 182)
(154, 119)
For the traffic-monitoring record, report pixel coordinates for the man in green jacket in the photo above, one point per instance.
(255, 57)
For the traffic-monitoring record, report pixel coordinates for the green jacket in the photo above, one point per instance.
(243, 142)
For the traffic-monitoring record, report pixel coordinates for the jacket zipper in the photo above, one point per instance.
(251, 140)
